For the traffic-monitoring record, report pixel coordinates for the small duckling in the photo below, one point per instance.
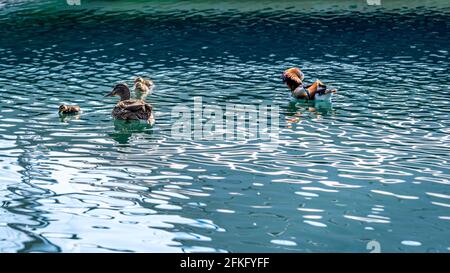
(141, 90)
(142, 87)
(69, 109)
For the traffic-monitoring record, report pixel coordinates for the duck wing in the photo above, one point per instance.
(133, 110)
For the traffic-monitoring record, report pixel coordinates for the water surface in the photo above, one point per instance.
(373, 165)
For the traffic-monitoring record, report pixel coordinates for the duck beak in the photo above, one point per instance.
(110, 94)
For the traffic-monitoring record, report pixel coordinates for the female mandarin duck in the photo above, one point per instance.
(130, 109)
(293, 78)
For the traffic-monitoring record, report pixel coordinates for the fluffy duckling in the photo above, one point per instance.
(129, 109)
(69, 109)
(142, 87)
(141, 90)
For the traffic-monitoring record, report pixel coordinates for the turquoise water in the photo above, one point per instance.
(372, 165)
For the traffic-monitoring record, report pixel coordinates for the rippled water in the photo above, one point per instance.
(373, 165)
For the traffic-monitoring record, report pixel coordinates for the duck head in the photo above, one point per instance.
(63, 108)
(138, 79)
(120, 90)
(147, 82)
(293, 77)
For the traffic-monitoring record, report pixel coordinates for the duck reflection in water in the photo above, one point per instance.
(69, 112)
(124, 130)
(68, 117)
(315, 109)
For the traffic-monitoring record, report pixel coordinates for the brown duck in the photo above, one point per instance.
(130, 109)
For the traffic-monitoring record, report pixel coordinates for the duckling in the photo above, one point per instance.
(129, 109)
(142, 87)
(69, 109)
(141, 90)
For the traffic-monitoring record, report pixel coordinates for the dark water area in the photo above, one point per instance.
(372, 165)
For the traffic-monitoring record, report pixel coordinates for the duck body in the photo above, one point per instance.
(322, 93)
(130, 109)
(133, 110)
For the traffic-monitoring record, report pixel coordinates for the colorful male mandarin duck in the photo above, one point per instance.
(293, 78)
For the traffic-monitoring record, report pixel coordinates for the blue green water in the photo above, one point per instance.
(373, 165)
